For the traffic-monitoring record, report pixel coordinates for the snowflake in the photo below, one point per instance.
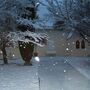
(20, 45)
(1, 52)
(54, 64)
(51, 57)
(62, 89)
(50, 69)
(64, 71)
(1, 69)
(67, 49)
(65, 61)
(73, 42)
(56, 13)
(24, 47)
(69, 79)
(68, 43)
(13, 55)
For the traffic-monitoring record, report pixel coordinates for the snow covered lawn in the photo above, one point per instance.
(82, 64)
(51, 73)
(15, 76)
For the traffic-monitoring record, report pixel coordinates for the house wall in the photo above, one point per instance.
(58, 43)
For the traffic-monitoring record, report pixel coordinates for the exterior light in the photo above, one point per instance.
(37, 59)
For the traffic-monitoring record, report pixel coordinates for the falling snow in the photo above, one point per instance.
(67, 49)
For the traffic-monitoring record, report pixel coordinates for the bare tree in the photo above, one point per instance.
(6, 25)
(70, 14)
(83, 17)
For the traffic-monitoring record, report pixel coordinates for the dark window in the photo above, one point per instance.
(83, 44)
(77, 44)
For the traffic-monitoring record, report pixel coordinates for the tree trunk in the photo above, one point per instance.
(4, 54)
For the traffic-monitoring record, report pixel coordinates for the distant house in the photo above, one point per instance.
(57, 45)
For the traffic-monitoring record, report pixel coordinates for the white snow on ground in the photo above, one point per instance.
(82, 64)
(56, 73)
(48, 73)
(16, 76)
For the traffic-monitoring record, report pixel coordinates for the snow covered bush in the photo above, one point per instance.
(16, 13)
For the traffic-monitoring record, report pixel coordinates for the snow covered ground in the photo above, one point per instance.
(58, 73)
(82, 64)
(51, 73)
(16, 76)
